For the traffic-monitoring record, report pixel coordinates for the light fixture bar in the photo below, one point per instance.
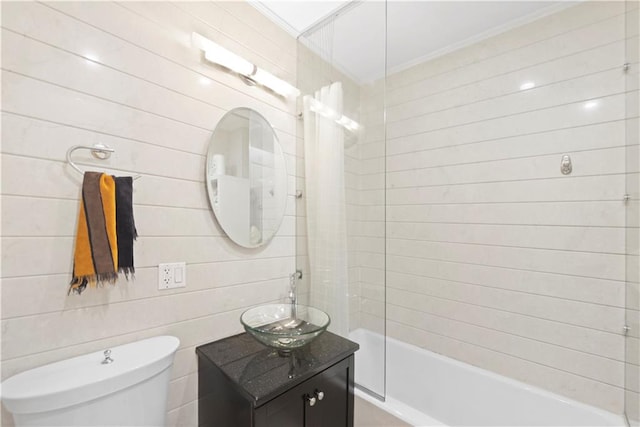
(215, 53)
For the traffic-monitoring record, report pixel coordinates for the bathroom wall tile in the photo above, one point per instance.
(608, 108)
(560, 213)
(211, 249)
(492, 256)
(590, 188)
(632, 350)
(371, 228)
(373, 181)
(24, 136)
(373, 133)
(46, 294)
(373, 307)
(602, 318)
(633, 318)
(546, 74)
(191, 332)
(579, 89)
(55, 254)
(510, 320)
(184, 416)
(570, 42)
(591, 137)
(600, 239)
(590, 366)
(58, 180)
(563, 116)
(371, 150)
(142, 49)
(184, 363)
(372, 276)
(252, 18)
(548, 28)
(575, 288)
(119, 318)
(372, 197)
(374, 244)
(633, 413)
(597, 162)
(36, 216)
(632, 378)
(242, 30)
(21, 95)
(373, 292)
(124, 74)
(40, 61)
(632, 50)
(598, 265)
(183, 389)
(633, 287)
(375, 323)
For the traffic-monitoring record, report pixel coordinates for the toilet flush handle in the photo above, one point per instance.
(107, 357)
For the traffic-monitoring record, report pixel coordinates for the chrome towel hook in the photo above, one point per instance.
(566, 166)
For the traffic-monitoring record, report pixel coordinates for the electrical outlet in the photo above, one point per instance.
(172, 275)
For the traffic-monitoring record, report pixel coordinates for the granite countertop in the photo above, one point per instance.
(262, 374)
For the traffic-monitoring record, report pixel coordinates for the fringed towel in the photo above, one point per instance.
(96, 253)
(125, 225)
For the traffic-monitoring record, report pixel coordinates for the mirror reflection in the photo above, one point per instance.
(246, 178)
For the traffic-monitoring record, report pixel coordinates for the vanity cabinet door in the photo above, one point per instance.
(286, 410)
(334, 398)
(294, 409)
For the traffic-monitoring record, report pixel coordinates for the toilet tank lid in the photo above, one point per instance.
(84, 378)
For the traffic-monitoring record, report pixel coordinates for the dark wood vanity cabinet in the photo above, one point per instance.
(323, 400)
(244, 385)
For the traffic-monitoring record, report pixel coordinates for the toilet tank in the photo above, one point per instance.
(83, 391)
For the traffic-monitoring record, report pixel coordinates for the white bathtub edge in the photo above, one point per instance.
(613, 419)
(400, 410)
(417, 418)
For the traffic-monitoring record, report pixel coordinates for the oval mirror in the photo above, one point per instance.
(246, 178)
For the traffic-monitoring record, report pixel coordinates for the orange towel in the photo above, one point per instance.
(96, 252)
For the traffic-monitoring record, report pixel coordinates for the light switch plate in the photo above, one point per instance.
(172, 275)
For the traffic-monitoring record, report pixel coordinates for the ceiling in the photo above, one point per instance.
(416, 30)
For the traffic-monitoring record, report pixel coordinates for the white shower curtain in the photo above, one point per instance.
(325, 206)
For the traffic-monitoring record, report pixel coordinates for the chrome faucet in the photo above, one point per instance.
(293, 294)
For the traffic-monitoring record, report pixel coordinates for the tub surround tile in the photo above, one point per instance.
(490, 249)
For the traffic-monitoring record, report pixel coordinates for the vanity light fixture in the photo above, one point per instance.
(215, 53)
(319, 108)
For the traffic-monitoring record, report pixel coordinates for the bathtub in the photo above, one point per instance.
(427, 389)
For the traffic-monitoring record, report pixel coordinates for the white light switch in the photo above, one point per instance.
(172, 275)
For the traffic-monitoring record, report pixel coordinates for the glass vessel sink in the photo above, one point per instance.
(284, 326)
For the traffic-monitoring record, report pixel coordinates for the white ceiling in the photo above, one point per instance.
(296, 16)
(417, 30)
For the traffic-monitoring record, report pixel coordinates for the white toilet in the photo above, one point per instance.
(124, 386)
